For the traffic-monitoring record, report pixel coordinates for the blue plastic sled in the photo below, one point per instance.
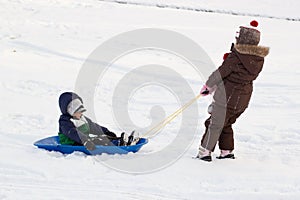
(52, 144)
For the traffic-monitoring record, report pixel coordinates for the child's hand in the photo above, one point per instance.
(89, 145)
(204, 90)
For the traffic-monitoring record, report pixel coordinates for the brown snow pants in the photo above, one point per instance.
(219, 128)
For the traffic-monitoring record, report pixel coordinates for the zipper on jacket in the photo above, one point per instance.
(237, 102)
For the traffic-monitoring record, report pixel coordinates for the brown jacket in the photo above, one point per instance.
(237, 73)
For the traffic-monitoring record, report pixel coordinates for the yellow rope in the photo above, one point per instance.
(168, 119)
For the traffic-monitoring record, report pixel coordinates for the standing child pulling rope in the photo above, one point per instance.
(236, 75)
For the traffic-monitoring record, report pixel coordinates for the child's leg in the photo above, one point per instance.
(214, 126)
(226, 140)
(111, 136)
(206, 124)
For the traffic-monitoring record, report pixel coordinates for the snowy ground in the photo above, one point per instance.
(45, 43)
(267, 8)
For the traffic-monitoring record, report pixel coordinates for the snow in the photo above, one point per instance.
(43, 47)
(267, 8)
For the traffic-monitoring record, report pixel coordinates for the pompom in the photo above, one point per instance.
(254, 23)
(225, 56)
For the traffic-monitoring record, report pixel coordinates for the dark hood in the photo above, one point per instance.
(251, 56)
(65, 99)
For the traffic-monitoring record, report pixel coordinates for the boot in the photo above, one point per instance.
(204, 154)
(123, 139)
(226, 154)
(134, 138)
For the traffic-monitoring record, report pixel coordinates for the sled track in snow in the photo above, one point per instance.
(187, 8)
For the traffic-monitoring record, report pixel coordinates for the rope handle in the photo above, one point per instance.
(168, 119)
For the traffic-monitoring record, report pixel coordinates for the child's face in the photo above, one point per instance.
(77, 115)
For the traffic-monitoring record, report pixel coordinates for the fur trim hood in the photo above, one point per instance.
(260, 51)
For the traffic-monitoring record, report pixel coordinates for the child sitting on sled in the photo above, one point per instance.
(77, 129)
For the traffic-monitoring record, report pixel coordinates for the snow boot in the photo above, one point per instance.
(133, 138)
(204, 154)
(226, 154)
(123, 139)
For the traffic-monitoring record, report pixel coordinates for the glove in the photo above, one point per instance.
(89, 145)
(205, 90)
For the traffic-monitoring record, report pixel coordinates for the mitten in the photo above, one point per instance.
(89, 145)
(205, 90)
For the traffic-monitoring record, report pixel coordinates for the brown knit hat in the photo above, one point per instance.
(248, 35)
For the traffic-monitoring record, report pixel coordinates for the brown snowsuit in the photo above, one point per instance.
(234, 88)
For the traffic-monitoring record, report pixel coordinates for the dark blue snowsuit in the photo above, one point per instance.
(67, 128)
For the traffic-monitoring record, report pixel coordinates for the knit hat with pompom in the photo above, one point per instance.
(248, 35)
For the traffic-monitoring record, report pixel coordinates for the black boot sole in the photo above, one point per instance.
(229, 156)
(205, 158)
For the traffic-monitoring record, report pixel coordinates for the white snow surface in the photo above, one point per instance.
(43, 46)
(267, 8)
